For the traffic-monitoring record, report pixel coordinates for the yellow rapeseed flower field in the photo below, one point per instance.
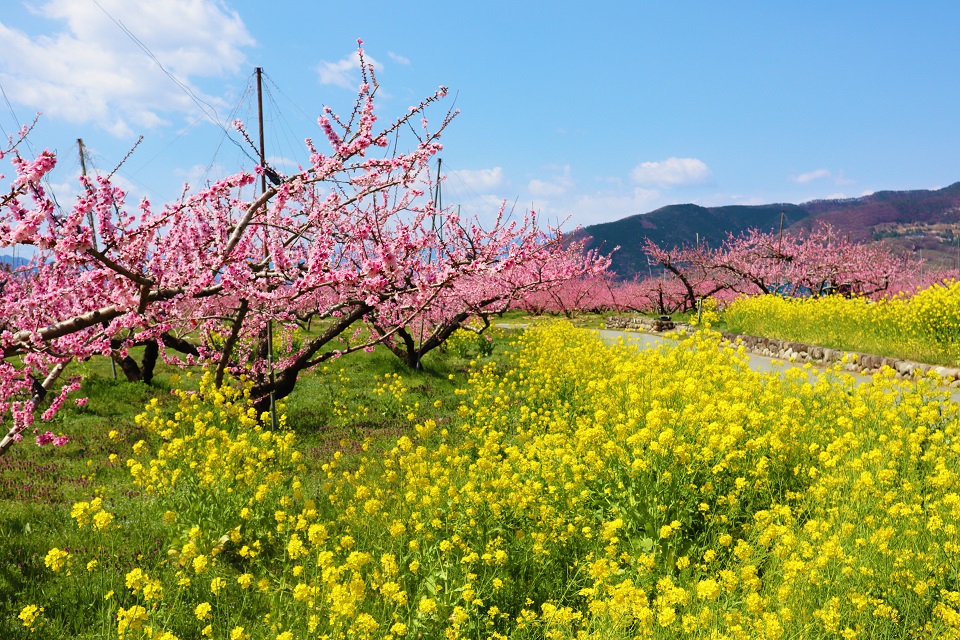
(587, 492)
(924, 326)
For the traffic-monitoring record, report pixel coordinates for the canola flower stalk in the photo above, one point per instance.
(923, 326)
(586, 492)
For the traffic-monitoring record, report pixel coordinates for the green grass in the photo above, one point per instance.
(584, 320)
(334, 408)
(534, 469)
(922, 328)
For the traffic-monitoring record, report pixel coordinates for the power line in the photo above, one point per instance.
(13, 113)
(285, 139)
(203, 104)
(233, 112)
(46, 178)
(312, 119)
(208, 109)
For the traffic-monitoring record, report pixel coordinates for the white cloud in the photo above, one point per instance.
(724, 199)
(399, 59)
(551, 188)
(345, 71)
(88, 70)
(671, 172)
(66, 191)
(479, 179)
(841, 179)
(810, 176)
(605, 206)
(280, 161)
(838, 178)
(543, 189)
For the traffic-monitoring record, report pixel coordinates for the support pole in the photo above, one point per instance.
(266, 236)
(93, 227)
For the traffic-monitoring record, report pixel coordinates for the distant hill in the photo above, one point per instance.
(14, 262)
(923, 221)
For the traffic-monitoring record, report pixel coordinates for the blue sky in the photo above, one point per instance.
(590, 113)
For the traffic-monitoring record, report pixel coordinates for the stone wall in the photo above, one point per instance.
(862, 362)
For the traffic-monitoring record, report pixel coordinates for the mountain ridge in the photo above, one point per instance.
(920, 220)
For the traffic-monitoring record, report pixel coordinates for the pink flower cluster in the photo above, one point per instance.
(350, 239)
(757, 262)
(50, 438)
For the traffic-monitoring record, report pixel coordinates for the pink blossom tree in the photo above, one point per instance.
(756, 262)
(691, 268)
(517, 259)
(346, 241)
(592, 292)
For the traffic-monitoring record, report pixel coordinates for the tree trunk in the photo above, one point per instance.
(286, 380)
(231, 342)
(150, 352)
(127, 364)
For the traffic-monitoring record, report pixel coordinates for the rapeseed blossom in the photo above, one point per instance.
(915, 325)
(202, 611)
(56, 559)
(30, 615)
(585, 492)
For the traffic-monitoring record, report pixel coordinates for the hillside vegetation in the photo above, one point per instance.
(859, 219)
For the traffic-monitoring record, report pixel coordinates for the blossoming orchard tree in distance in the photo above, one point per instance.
(757, 263)
(537, 261)
(349, 240)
